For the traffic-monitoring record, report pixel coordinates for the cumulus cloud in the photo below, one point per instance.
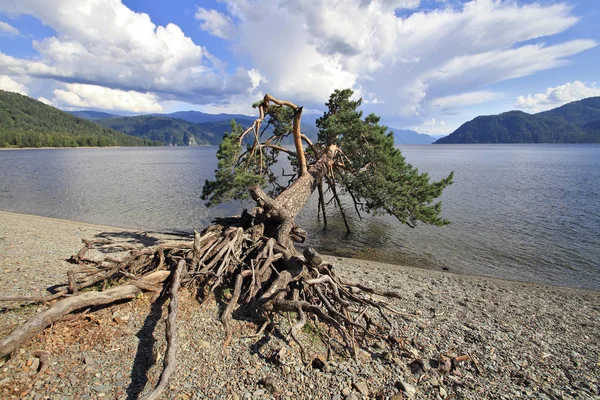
(10, 85)
(557, 96)
(215, 22)
(103, 42)
(81, 96)
(408, 62)
(402, 63)
(7, 29)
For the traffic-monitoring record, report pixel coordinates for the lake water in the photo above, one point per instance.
(524, 212)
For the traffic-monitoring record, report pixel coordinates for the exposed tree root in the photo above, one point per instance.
(263, 276)
(253, 256)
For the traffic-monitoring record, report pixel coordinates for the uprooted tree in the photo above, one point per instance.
(253, 254)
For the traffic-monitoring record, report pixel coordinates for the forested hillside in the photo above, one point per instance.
(576, 122)
(25, 122)
(170, 131)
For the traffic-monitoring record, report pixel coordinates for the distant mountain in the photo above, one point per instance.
(26, 122)
(406, 136)
(92, 115)
(170, 131)
(576, 122)
(200, 117)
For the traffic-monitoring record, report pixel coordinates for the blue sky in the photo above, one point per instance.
(428, 65)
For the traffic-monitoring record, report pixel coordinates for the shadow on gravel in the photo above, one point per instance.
(144, 359)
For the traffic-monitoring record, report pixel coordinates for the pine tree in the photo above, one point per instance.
(253, 255)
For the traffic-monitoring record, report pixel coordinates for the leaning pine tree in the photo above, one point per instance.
(253, 254)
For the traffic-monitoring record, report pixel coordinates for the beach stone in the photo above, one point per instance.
(362, 388)
(407, 388)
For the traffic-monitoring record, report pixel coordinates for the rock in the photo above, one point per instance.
(362, 388)
(73, 379)
(351, 396)
(89, 360)
(269, 383)
(397, 396)
(407, 388)
(35, 364)
(346, 391)
(101, 388)
(203, 344)
(443, 393)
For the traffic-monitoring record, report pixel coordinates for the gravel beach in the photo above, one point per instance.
(460, 337)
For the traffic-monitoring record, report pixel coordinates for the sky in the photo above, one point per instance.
(427, 65)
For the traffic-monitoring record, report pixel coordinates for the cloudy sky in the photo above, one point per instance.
(429, 65)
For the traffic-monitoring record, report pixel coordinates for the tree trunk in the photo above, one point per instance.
(291, 201)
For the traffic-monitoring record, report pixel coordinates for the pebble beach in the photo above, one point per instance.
(458, 336)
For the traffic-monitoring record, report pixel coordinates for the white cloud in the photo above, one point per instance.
(215, 22)
(82, 96)
(557, 96)
(7, 29)
(401, 64)
(105, 43)
(10, 85)
(465, 99)
(307, 49)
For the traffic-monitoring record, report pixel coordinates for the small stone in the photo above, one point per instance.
(397, 396)
(443, 392)
(203, 344)
(89, 360)
(380, 345)
(407, 388)
(73, 379)
(101, 388)
(346, 391)
(269, 383)
(351, 396)
(362, 388)
(35, 364)
(251, 371)
(259, 392)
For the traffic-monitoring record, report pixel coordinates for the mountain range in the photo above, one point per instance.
(575, 122)
(184, 128)
(25, 122)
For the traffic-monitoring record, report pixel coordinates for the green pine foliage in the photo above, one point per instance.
(232, 179)
(374, 171)
(369, 167)
(25, 122)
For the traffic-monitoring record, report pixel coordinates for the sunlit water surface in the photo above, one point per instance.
(524, 212)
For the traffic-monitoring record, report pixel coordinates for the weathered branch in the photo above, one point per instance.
(170, 361)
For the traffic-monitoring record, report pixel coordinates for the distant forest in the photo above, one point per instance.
(25, 122)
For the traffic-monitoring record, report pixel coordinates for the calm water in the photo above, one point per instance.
(525, 212)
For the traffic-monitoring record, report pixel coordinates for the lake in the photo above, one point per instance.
(523, 212)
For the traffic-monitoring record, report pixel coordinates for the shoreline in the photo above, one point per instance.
(525, 340)
(93, 227)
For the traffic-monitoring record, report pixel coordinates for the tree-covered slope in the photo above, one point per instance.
(571, 123)
(92, 115)
(578, 112)
(170, 131)
(25, 122)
